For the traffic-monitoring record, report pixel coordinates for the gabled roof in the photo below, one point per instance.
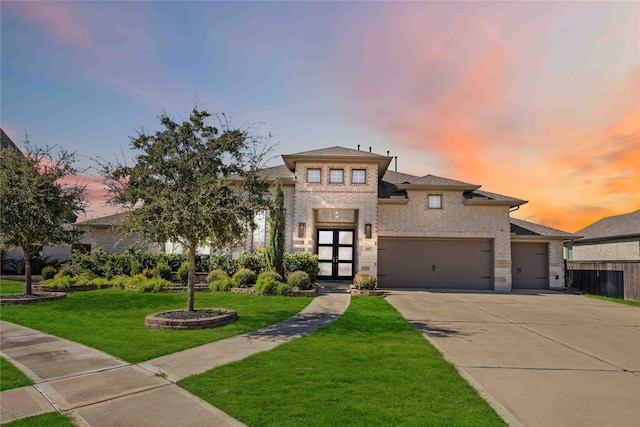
(337, 154)
(626, 225)
(105, 221)
(480, 197)
(5, 141)
(526, 228)
(276, 172)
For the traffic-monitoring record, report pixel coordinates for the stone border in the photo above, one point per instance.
(74, 288)
(156, 321)
(41, 297)
(366, 292)
(308, 293)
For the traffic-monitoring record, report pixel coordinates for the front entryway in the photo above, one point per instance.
(335, 253)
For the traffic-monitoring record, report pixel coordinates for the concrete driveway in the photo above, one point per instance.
(539, 358)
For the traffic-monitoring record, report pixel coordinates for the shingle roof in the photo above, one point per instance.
(613, 226)
(486, 196)
(526, 228)
(5, 141)
(337, 154)
(338, 151)
(398, 177)
(275, 172)
(105, 221)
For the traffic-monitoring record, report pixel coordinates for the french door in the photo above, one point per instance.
(335, 253)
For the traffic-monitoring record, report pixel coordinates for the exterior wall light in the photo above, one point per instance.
(302, 229)
(367, 231)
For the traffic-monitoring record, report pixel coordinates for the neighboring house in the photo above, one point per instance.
(614, 238)
(103, 233)
(412, 232)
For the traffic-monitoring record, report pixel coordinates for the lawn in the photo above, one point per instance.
(112, 320)
(11, 377)
(9, 287)
(617, 300)
(51, 419)
(369, 368)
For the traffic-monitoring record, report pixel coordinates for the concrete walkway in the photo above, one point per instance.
(96, 389)
(539, 358)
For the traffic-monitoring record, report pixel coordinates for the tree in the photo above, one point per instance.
(35, 204)
(192, 183)
(275, 246)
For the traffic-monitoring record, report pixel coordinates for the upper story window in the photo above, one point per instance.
(336, 176)
(313, 175)
(358, 176)
(434, 201)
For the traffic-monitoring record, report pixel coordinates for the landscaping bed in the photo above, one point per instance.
(303, 293)
(189, 320)
(30, 299)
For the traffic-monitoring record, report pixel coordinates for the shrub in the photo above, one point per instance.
(48, 272)
(244, 278)
(306, 262)
(84, 278)
(299, 280)
(138, 280)
(283, 288)
(183, 272)
(163, 270)
(148, 273)
(268, 283)
(215, 275)
(250, 260)
(65, 271)
(365, 281)
(222, 283)
(222, 262)
(59, 282)
(119, 281)
(99, 282)
(153, 285)
(135, 266)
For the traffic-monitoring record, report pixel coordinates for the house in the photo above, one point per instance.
(412, 232)
(103, 233)
(614, 238)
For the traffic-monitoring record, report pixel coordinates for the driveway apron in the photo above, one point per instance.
(539, 358)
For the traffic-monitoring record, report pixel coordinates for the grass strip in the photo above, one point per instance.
(369, 368)
(11, 287)
(616, 300)
(11, 377)
(112, 320)
(50, 419)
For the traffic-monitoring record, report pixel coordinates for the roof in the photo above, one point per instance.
(276, 172)
(626, 225)
(337, 154)
(5, 141)
(526, 228)
(105, 221)
(480, 197)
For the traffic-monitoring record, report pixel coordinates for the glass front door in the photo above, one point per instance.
(335, 253)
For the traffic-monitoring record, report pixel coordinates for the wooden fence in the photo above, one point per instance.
(618, 279)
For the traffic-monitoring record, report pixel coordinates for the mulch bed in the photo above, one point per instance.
(196, 319)
(195, 314)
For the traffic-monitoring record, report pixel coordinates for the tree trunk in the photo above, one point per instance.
(26, 250)
(192, 277)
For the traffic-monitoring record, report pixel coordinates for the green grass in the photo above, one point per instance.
(11, 377)
(369, 368)
(51, 419)
(617, 300)
(10, 287)
(112, 320)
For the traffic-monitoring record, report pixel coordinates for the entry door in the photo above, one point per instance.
(335, 253)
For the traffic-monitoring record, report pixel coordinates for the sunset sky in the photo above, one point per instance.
(539, 100)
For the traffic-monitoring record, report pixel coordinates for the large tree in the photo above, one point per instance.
(275, 246)
(35, 203)
(192, 183)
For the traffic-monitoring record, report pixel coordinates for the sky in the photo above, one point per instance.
(535, 100)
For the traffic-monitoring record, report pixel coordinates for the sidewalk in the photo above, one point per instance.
(96, 389)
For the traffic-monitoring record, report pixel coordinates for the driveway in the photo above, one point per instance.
(539, 358)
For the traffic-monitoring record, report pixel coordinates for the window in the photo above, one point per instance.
(336, 176)
(434, 201)
(358, 176)
(313, 175)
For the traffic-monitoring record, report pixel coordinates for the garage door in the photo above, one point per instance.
(447, 264)
(529, 266)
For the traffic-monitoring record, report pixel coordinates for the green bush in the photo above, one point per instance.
(183, 272)
(65, 271)
(222, 262)
(138, 280)
(154, 285)
(163, 270)
(269, 282)
(215, 275)
(48, 272)
(306, 262)
(59, 282)
(136, 266)
(148, 273)
(222, 283)
(250, 260)
(119, 281)
(299, 280)
(283, 288)
(99, 282)
(244, 278)
(366, 281)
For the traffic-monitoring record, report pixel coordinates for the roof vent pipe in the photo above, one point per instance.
(358, 147)
(369, 149)
(396, 158)
(387, 153)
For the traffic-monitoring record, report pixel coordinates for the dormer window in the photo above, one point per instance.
(336, 176)
(434, 201)
(313, 176)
